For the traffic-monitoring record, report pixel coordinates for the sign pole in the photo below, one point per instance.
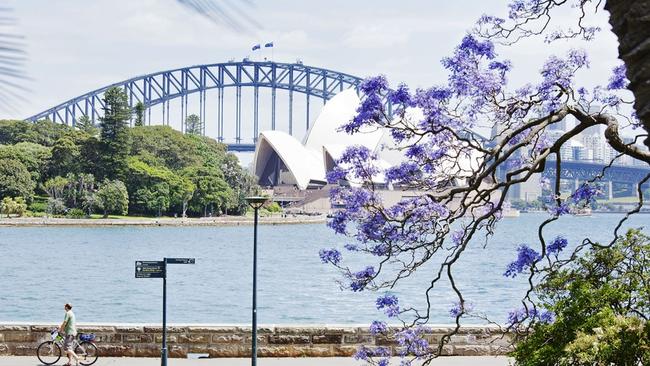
(158, 269)
(163, 351)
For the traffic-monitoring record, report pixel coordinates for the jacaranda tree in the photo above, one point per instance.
(463, 179)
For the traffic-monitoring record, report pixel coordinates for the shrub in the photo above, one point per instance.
(13, 206)
(273, 207)
(38, 207)
(76, 213)
(56, 207)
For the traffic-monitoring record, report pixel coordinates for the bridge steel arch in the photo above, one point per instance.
(162, 87)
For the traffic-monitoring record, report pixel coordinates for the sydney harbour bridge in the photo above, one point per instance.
(278, 96)
(170, 96)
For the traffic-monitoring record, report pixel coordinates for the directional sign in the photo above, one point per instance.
(149, 269)
(180, 260)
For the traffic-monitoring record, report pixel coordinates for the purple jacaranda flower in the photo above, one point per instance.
(412, 341)
(400, 96)
(557, 245)
(526, 257)
(457, 309)
(561, 209)
(547, 316)
(378, 327)
(335, 175)
(381, 352)
(584, 193)
(359, 280)
(374, 85)
(457, 237)
(403, 173)
(330, 256)
(516, 316)
(351, 247)
(390, 305)
(618, 80)
(363, 353)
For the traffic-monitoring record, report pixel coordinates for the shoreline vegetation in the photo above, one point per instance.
(118, 166)
(161, 221)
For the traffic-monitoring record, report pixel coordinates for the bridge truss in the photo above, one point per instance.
(162, 88)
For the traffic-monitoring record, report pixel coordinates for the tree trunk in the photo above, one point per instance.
(630, 20)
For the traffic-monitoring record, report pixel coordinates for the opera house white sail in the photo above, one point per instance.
(281, 160)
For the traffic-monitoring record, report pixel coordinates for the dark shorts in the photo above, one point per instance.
(67, 342)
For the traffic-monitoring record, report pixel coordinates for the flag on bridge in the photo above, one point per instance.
(256, 47)
(270, 44)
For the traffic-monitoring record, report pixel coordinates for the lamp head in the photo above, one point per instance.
(256, 202)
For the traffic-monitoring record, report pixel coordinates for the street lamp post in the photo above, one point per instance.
(256, 203)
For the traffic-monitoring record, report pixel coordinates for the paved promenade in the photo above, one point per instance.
(330, 361)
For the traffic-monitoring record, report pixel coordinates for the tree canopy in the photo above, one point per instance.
(163, 170)
(462, 180)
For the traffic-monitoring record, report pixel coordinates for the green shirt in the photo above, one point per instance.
(70, 323)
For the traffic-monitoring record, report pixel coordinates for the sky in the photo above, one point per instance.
(75, 46)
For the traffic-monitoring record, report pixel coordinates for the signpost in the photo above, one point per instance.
(158, 269)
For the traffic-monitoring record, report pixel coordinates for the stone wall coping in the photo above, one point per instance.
(240, 325)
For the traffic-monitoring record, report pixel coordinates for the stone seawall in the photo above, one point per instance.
(138, 340)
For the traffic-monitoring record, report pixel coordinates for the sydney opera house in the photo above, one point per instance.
(281, 160)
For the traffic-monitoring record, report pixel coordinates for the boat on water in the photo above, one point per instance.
(510, 212)
(583, 212)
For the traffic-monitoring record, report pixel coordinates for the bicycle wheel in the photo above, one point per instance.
(48, 353)
(87, 353)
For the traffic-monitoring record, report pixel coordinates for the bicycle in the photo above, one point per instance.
(49, 352)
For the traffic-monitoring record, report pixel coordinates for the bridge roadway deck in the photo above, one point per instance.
(330, 361)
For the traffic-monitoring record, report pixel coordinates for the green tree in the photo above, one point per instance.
(242, 182)
(85, 124)
(138, 110)
(600, 305)
(7, 206)
(114, 141)
(80, 187)
(149, 183)
(153, 198)
(19, 206)
(66, 157)
(35, 157)
(193, 125)
(113, 197)
(164, 146)
(15, 180)
(211, 190)
(56, 187)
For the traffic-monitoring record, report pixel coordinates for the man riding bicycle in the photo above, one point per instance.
(69, 328)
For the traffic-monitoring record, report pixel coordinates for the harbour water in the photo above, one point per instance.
(93, 268)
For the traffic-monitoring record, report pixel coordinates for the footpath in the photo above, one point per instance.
(311, 361)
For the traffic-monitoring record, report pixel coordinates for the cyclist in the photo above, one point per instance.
(69, 328)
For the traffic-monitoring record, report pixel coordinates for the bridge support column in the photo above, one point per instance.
(220, 115)
(273, 97)
(182, 114)
(201, 119)
(308, 91)
(610, 190)
(291, 112)
(256, 108)
(576, 184)
(238, 116)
